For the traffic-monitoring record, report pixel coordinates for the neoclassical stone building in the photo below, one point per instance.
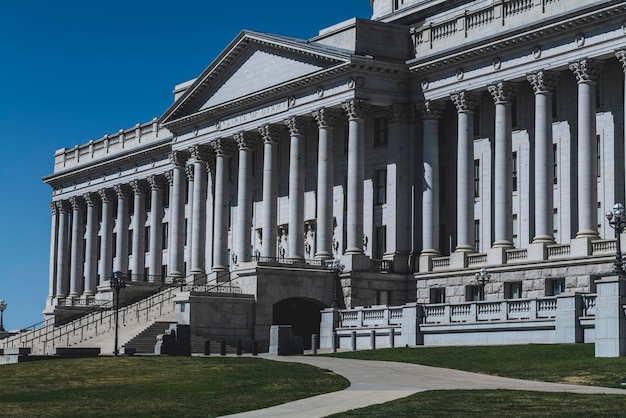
(435, 139)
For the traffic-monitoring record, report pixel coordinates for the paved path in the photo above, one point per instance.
(374, 382)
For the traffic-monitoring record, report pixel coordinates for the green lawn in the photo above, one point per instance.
(154, 386)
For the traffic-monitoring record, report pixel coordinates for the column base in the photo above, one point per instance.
(587, 233)
(355, 262)
(464, 248)
(544, 239)
(503, 244)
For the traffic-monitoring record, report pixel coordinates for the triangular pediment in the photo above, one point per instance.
(253, 67)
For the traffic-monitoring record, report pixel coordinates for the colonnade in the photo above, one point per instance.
(74, 270)
(543, 83)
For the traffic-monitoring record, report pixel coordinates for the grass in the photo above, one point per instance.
(574, 363)
(563, 363)
(154, 386)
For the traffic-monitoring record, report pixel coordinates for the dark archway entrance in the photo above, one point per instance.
(302, 314)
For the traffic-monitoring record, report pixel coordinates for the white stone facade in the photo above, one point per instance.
(436, 139)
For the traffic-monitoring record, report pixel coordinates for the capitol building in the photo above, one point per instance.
(438, 174)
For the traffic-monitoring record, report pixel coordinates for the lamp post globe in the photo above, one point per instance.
(3, 306)
(617, 221)
(118, 282)
(483, 278)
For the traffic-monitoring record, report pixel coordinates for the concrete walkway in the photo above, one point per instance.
(374, 382)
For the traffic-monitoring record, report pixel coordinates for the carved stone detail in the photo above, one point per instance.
(621, 56)
(398, 113)
(543, 81)
(430, 109)
(502, 92)
(122, 191)
(296, 125)
(271, 133)
(156, 182)
(245, 140)
(586, 70)
(105, 195)
(325, 117)
(77, 202)
(465, 101)
(138, 186)
(356, 109)
(91, 199)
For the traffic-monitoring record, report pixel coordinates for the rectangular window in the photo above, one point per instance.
(146, 238)
(473, 293)
(438, 295)
(555, 96)
(99, 248)
(381, 242)
(165, 236)
(146, 272)
(601, 216)
(599, 150)
(380, 131)
(514, 166)
(515, 231)
(442, 185)
(383, 297)
(166, 196)
(513, 290)
(477, 234)
(187, 191)
(555, 164)
(114, 244)
(555, 287)
(380, 186)
(163, 272)
(130, 242)
(555, 224)
(476, 178)
(476, 121)
(148, 202)
(515, 113)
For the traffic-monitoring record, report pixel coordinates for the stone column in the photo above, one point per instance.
(325, 119)
(355, 110)
(220, 228)
(242, 238)
(53, 253)
(270, 135)
(297, 131)
(63, 279)
(177, 215)
(188, 217)
(91, 245)
(399, 204)
(543, 83)
(465, 102)
(587, 71)
(106, 235)
(502, 94)
(430, 111)
(78, 235)
(139, 227)
(155, 259)
(199, 156)
(121, 227)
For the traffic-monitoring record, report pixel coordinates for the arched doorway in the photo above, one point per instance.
(302, 314)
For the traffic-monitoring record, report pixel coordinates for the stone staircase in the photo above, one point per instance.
(144, 342)
(197, 346)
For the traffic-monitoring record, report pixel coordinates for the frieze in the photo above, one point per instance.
(254, 115)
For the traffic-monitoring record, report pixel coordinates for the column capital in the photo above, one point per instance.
(543, 81)
(122, 191)
(221, 147)
(296, 125)
(620, 54)
(245, 139)
(586, 69)
(271, 133)
(91, 199)
(430, 109)
(398, 113)
(156, 182)
(325, 117)
(465, 101)
(178, 158)
(503, 92)
(105, 195)
(200, 153)
(53, 208)
(189, 171)
(356, 109)
(138, 186)
(63, 206)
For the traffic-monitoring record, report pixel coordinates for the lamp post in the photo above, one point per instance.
(118, 282)
(483, 278)
(337, 267)
(3, 306)
(617, 220)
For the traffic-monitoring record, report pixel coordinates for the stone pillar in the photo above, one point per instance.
(399, 204)
(106, 235)
(220, 228)
(297, 131)
(325, 119)
(567, 323)
(543, 83)
(91, 245)
(587, 71)
(199, 157)
(62, 268)
(355, 109)
(188, 217)
(77, 240)
(610, 317)
(430, 111)
(52, 278)
(242, 239)
(270, 136)
(177, 215)
(121, 227)
(465, 102)
(139, 228)
(502, 94)
(155, 258)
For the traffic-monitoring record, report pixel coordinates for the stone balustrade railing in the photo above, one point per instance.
(373, 316)
(474, 23)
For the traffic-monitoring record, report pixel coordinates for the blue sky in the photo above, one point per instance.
(73, 71)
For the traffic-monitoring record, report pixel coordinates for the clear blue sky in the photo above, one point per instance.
(73, 71)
